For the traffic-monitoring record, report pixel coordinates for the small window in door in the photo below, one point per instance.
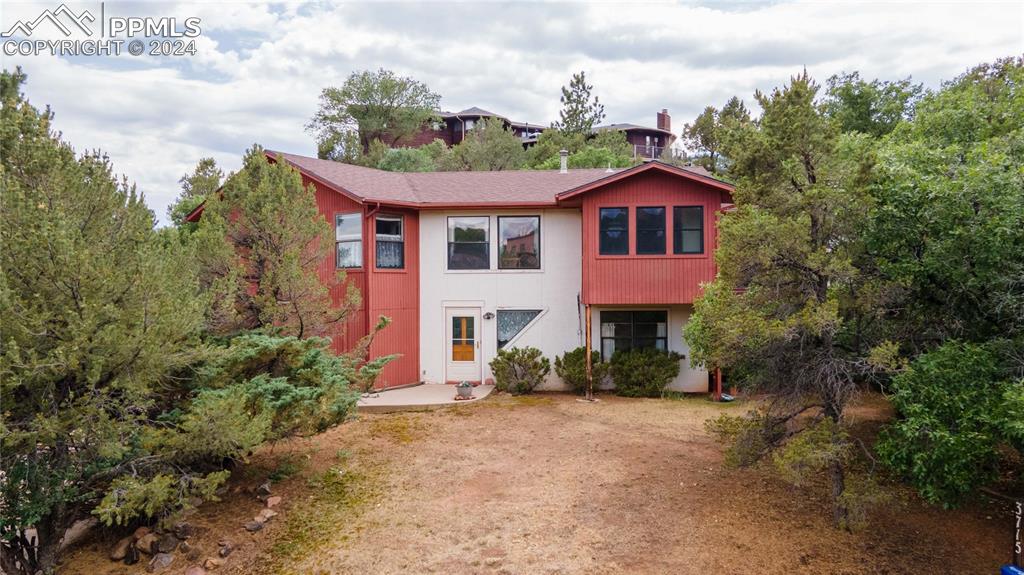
(463, 338)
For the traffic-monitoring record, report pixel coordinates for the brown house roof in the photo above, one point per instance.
(443, 189)
(511, 188)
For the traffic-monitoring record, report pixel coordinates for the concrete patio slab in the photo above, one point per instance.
(418, 398)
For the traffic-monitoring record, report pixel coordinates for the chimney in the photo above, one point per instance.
(563, 156)
(664, 120)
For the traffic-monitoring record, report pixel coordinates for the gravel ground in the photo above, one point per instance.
(550, 485)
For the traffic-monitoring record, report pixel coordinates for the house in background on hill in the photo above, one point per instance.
(451, 127)
(467, 263)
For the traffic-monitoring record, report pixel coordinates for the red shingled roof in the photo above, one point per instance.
(453, 189)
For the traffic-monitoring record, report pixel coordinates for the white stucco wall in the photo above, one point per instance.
(554, 289)
(689, 379)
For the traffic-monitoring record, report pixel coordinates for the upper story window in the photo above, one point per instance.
(390, 242)
(348, 240)
(469, 243)
(470, 124)
(650, 230)
(614, 231)
(519, 242)
(688, 229)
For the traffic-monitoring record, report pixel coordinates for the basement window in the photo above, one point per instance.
(348, 240)
(625, 330)
(390, 242)
(511, 322)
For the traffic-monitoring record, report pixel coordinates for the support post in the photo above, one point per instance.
(590, 373)
(718, 384)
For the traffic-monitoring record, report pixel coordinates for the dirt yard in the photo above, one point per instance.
(549, 485)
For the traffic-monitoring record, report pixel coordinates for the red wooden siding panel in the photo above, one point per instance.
(396, 294)
(647, 279)
(330, 203)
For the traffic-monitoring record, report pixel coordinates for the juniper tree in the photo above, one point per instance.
(375, 105)
(97, 314)
(258, 244)
(784, 313)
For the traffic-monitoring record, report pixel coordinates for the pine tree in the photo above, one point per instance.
(195, 188)
(579, 114)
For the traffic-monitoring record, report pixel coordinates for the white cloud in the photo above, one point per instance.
(260, 67)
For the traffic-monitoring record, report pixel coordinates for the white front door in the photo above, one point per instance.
(462, 344)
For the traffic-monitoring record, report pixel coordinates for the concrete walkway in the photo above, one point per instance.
(418, 398)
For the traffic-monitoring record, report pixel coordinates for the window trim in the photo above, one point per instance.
(377, 241)
(664, 230)
(540, 247)
(600, 230)
(678, 249)
(448, 243)
(338, 216)
(632, 332)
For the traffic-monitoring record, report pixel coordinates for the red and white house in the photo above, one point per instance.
(466, 263)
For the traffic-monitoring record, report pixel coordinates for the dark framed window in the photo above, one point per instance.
(625, 330)
(519, 242)
(390, 242)
(511, 322)
(614, 231)
(650, 230)
(688, 229)
(469, 243)
(348, 240)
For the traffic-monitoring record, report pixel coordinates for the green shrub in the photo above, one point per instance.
(643, 372)
(572, 368)
(954, 418)
(519, 369)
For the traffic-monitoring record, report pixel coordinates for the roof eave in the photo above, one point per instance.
(652, 165)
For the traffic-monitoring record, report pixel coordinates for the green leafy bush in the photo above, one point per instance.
(954, 416)
(643, 372)
(572, 368)
(520, 369)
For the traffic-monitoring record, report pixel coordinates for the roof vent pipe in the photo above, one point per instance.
(563, 156)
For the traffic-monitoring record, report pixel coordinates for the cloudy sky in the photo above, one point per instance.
(260, 67)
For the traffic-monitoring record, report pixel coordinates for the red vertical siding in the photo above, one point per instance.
(395, 293)
(331, 203)
(647, 279)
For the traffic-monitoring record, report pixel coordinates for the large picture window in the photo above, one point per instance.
(468, 243)
(614, 231)
(625, 330)
(348, 240)
(390, 242)
(511, 322)
(688, 229)
(650, 230)
(519, 242)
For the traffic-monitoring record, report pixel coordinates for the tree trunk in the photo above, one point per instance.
(840, 513)
(837, 475)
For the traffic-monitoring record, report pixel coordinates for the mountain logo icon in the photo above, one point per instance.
(26, 28)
